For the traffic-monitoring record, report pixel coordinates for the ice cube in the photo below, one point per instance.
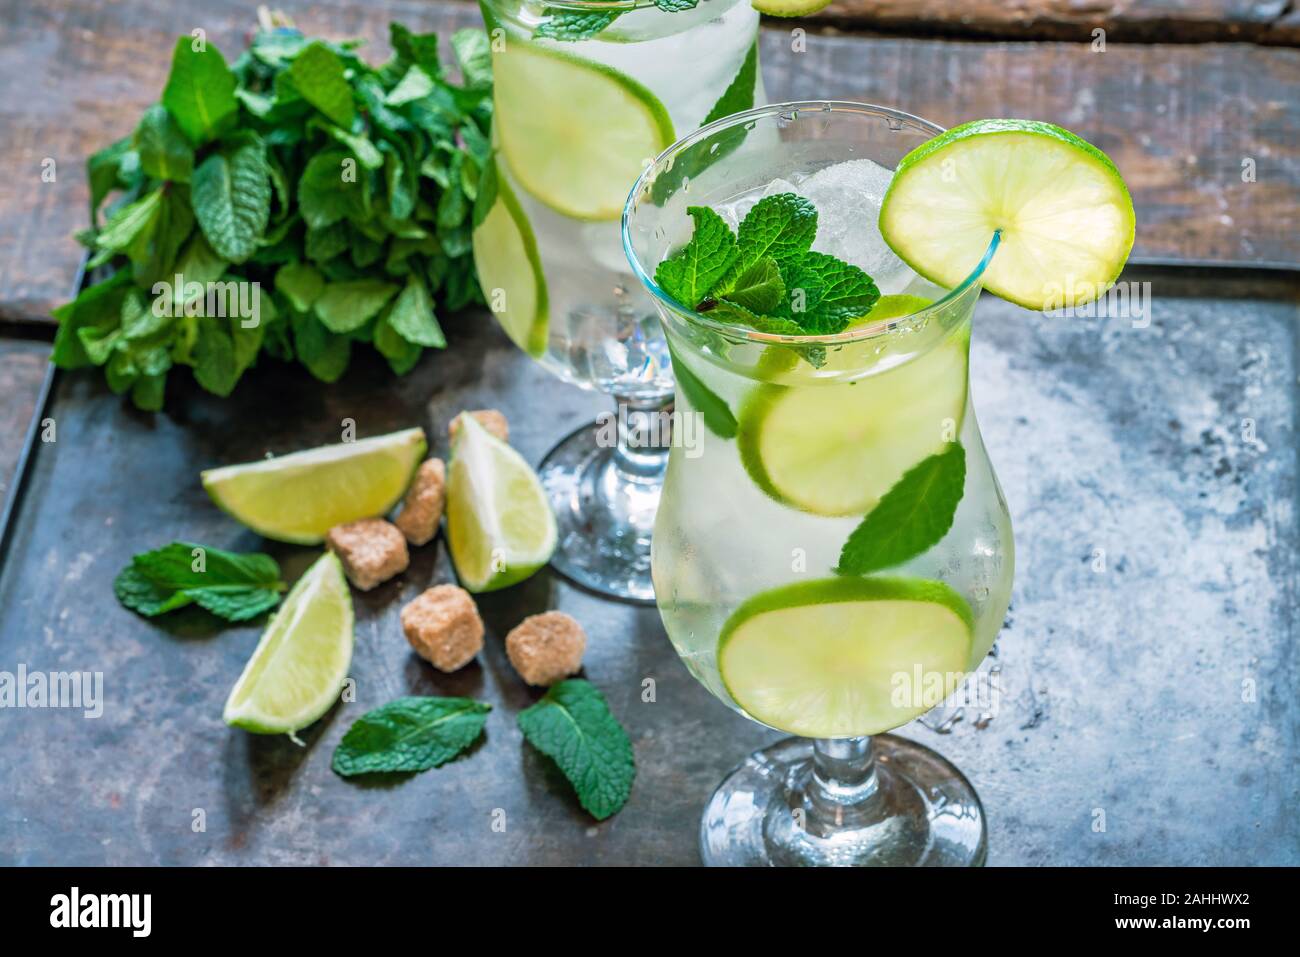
(848, 197)
(736, 210)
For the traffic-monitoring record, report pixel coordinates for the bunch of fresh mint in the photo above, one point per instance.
(565, 24)
(765, 275)
(295, 203)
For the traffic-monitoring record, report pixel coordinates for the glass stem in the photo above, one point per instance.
(644, 437)
(842, 792)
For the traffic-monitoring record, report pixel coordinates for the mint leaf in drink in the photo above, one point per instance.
(230, 585)
(231, 193)
(825, 294)
(573, 726)
(573, 24)
(909, 518)
(410, 734)
(690, 273)
(760, 288)
(739, 94)
(318, 76)
(200, 91)
(781, 226)
(165, 151)
(712, 408)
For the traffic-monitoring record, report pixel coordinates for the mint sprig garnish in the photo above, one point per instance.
(230, 585)
(911, 517)
(573, 25)
(410, 734)
(690, 274)
(573, 726)
(766, 275)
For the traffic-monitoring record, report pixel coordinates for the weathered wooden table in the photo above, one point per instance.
(1147, 669)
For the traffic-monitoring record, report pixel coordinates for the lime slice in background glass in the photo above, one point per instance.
(298, 498)
(841, 657)
(1065, 215)
(510, 271)
(575, 134)
(297, 669)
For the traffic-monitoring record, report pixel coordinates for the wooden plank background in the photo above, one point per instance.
(1147, 21)
(1179, 119)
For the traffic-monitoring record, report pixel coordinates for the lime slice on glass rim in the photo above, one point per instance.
(510, 270)
(1065, 216)
(298, 498)
(789, 8)
(297, 670)
(828, 658)
(500, 528)
(837, 451)
(574, 133)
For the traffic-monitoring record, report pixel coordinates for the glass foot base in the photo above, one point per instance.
(604, 498)
(923, 813)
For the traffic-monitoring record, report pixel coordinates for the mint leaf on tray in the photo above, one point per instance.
(230, 585)
(410, 734)
(573, 726)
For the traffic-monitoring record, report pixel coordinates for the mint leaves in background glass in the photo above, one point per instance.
(300, 160)
(573, 25)
(911, 517)
(765, 275)
(410, 734)
(573, 726)
(230, 585)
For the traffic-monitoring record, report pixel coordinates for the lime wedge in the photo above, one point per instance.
(789, 8)
(835, 449)
(1064, 212)
(576, 134)
(844, 657)
(510, 271)
(299, 497)
(297, 669)
(500, 528)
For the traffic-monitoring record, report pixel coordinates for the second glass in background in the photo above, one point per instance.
(585, 95)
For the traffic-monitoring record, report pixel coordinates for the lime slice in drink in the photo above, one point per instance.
(1063, 210)
(576, 134)
(836, 449)
(845, 656)
(510, 271)
(789, 8)
(297, 669)
(299, 497)
(891, 307)
(499, 523)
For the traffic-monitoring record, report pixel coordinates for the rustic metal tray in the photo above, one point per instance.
(1146, 711)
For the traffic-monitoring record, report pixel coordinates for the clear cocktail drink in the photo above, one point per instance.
(837, 556)
(586, 94)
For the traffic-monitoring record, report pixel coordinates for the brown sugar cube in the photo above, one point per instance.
(372, 551)
(422, 507)
(490, 419)
(547, 647)
(443, 626)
